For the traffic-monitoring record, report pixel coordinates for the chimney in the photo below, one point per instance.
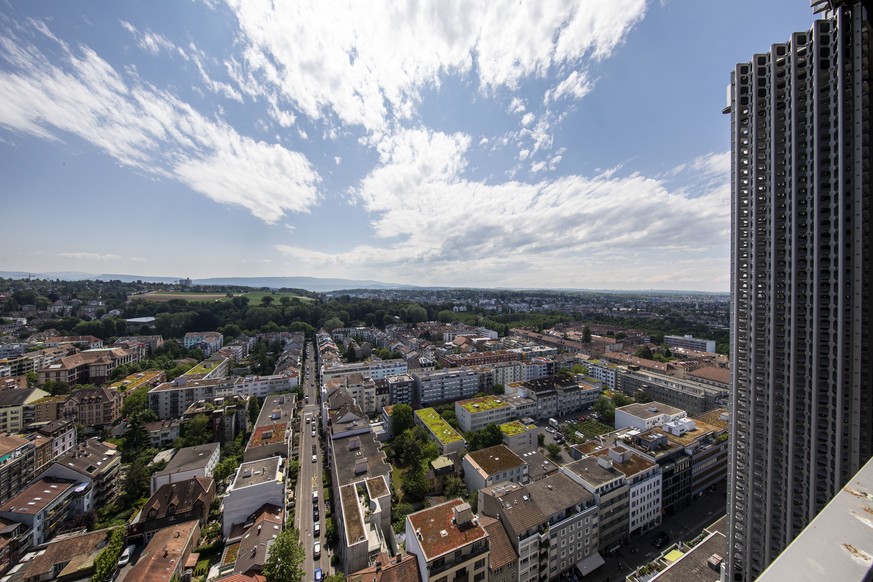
(463, 513)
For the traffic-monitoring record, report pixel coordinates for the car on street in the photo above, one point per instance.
(319, 576)
(660, 539)
(313, 448)
(315, 515)
(550, 430)
(126, 555)
(316, 529)
(314, 458)
(316, 550)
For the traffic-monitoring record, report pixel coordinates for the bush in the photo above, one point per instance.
(107, 560)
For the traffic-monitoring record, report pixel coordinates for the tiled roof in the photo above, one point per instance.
(496, 459)
(502, 552)
(437, 532)
(37, 497)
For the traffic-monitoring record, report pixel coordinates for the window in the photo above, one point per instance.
(479, 577)
(479, 564)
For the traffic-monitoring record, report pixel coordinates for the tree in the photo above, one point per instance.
(402, 418)
(196, 432)
(331, 535)
(541, 439)
(606, 409)
(333, 323)
(266, 300)
(453, 487)
(554, 451)
(285, 558)
(225, 468)
(619, 399)
(254, 409)
(644, 352)
(586, 335)
(414, 483)
(32, 379)
(137, 481)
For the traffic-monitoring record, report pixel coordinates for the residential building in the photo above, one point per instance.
(95, 464)
(85, 342)
(444, 385)
(401, 388)
(610, 489)
(66, 557)
(478, 358)
(163, 433)
(604, 371)
(166, 557)
(801, 354)
(42, 507)
(138, 380)
(448, 543)
(552, 525)
(187, 463)
(33, 361)
(48, 408)
(556, 396)
(441, 432)
(63, 435)
(17, 464)
(93, 407)
(477, 413)
(644, 482)
(256, 483)
(689, 342)
(373, 369)
(14, 405)
(503, 561)
(401, 568)
(364, 522)
(248, 544)
(267, 441)
(208, 342)
(646, 416)
(689, 395)
(88, 367)
(171, 503)
(491, 466)
(214, 367)
(519, 437)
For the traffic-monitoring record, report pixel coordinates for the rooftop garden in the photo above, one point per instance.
(483, 403)
(438, 426)
(514, 428)
(134, 381)
(203, 367)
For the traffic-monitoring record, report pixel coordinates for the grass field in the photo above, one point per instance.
(255, 297)
(187, 296)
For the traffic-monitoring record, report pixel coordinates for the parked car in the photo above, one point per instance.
(316, 529)
(126, 555)
(314, 458)
(318, 575)
(316, 550)
(550, 430)
(315, 515)
(660, 539)
(315, 497)
(314, 450)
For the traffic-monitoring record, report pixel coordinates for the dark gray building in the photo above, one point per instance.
(802, 387)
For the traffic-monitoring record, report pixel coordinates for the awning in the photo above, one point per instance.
(590, 563)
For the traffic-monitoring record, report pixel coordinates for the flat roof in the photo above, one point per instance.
(438, 534)
(352, 519)
(190, 458)
(257, 472)
(694, 565)
(557, 493)
(650, 409)
(590, 470)
(515, 428)
(359, 457)
(441, 429)
(269, 434)
(482, 404)
(496, 459)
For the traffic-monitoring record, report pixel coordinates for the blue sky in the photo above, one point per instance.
(503, 143)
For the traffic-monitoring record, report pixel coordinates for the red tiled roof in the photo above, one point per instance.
(431, 523)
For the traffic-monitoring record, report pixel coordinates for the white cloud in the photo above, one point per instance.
(439, 226)
(516, 105)
(337, 160)
(523, 155)
(137, 259)
(576, 85)
(151, 42)
(90, 256)
(527, 119)
(148, 129)
(366, 62)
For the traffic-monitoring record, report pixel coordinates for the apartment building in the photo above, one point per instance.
(689, 342)
(165, 558)
(256, 483)
(87, 367)
(373, 369)
(173, 503)
(605, 372)
(448, 543)
(16, 410)
(17, 464)
(208, 342)
(93, 407)
(552, 524)
(556, 396)
(478, 358)
(689, 395)
(401, 388)
(444, 385)
(610, 489)
(519, 437)
(43, 507)
(33, 361)
(644, 482)
(188, 463)
(477, 413)
(646, 416)
(364, 522)
(491, 466)
(441, 432)
(95, 464)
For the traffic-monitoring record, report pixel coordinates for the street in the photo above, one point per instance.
(309, 478)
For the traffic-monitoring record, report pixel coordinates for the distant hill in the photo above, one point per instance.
(315, 284)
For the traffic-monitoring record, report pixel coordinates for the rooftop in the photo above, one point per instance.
(515, 428)
(482, 404)
(713, 374)
(694, 566)
(38, 496)
(160, 558)
(270, 434)
(359, 457)
(557, 493)
(134, 381)
(590, 470)
(438, 534)
(502, 552)
(438, 426)
(538, 465)
(257, 472)
(91, 458)
(650, 410)
(76, 552)
(402, 568)
(352, 519)
(496, 459)
(378, 486)
(257, 539)
(9, 443)
(190, 458)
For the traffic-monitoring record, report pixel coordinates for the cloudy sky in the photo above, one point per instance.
(498, 143)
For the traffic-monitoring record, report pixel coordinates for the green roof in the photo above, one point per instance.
(441, 462)
(483, 403)
(438, 426)
(514, 428)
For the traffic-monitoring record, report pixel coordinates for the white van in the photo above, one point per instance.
(554, 424)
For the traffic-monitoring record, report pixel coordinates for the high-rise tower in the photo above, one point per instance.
(801, 222)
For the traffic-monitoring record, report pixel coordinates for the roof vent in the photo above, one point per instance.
(444, 533)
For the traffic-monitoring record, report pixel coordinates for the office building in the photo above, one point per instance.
(802, 386)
